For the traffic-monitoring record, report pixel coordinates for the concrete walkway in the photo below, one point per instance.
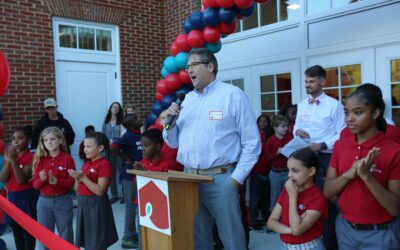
(258, 240)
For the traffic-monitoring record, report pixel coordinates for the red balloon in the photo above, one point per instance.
(159, 96)
(173, 82)
(182, 44)
(2, 146)
(211, 34)
(212, 3)
(184, 76)
(173, 49)
(195, 39)
(227, 28)
(205, 4)
(161, 87)
(4, 74)
(1, 130)
(243, 4)
(225, 3)
(158, 125)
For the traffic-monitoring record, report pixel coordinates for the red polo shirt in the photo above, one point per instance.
(275, 160)
(160, 165)
(24, 161)
(94, 170)
(356, 202)
(392, 132)
(262, 166)
(170, 155)
(59, 165)
(309, 199)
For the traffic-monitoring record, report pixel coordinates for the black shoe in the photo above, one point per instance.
(113, 200)
(122, 201)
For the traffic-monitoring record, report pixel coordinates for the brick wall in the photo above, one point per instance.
(146, 30)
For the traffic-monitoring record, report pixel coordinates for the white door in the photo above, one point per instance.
(388, 79)
(84, 93)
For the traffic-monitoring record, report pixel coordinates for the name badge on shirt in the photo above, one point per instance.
(216, 116)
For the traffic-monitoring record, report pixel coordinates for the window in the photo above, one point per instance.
(395, 90)
(340, 87)
(84, 38)
(238, 83)
(276, 92)
(316, 6)
(271, 12)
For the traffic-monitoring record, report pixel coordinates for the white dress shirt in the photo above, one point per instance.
(323, 121)
(215, 128)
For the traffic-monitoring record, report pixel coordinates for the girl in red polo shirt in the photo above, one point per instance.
(301, 208)
(95, 226)
(17, 171)
(51, 178)
(364, 173)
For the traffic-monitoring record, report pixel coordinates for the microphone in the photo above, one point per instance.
(171, 118)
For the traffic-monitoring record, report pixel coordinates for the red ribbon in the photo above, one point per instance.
(41, 233)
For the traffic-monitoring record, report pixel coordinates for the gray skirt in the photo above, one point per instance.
(95, 225)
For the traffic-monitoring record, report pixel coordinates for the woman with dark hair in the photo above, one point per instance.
(113, 129)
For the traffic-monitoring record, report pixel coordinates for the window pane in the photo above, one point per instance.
(333, 93)
(290, 9)
(396, 95)
(332, 77)
(238, 83)
(86, 38)
(338, 3)
(268, 101)
(284, 82)
(267, 84)
(346, 92)
(103, 40)
(251, 22)
(395, 70)
(351, 74)
(284, 99)
(269, 12)
(67, 36)
(315, 6)
(396, 116)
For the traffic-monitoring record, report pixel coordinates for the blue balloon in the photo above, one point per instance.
(169, 64)
(150, 120)
(168, 100)
(246, 12)
(196, 20)
(164, 72)
(181, 60)
(214, 47)
(187, 26)
(226, 15)
(210, 16)
(157, 108)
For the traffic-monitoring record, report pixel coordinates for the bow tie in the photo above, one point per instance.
(312, 101)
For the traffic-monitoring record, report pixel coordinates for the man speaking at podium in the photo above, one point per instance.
(217, 135)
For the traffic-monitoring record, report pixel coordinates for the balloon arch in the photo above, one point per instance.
(203, 29)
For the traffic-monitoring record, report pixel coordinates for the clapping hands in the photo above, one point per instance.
(363, 166)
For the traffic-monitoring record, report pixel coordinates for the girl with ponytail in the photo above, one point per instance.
(364, 173)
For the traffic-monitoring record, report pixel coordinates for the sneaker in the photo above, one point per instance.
(130, 244)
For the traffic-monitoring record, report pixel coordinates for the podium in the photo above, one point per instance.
(168, 202)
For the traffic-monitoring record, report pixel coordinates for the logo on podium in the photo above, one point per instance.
(153, 204)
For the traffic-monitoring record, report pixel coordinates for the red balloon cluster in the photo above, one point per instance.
(4, 74)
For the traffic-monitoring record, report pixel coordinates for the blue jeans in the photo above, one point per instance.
(277, 181)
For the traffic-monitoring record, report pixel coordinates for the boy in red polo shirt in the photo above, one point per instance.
(278, 162)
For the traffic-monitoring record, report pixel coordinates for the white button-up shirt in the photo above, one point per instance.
(215, 128)
(323, 122)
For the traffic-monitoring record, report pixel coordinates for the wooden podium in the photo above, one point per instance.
(168, 202)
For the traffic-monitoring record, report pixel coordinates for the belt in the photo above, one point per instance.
(53, 196)
(369, 227)
(215, 170)
(304, 246)
(279, 170)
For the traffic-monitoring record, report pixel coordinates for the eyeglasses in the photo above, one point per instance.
(194, 64)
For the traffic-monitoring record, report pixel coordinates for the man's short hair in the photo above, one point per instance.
(277, 120)
(316, 71)
(206, 56)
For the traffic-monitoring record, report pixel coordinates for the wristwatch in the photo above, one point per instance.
(323, 146)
